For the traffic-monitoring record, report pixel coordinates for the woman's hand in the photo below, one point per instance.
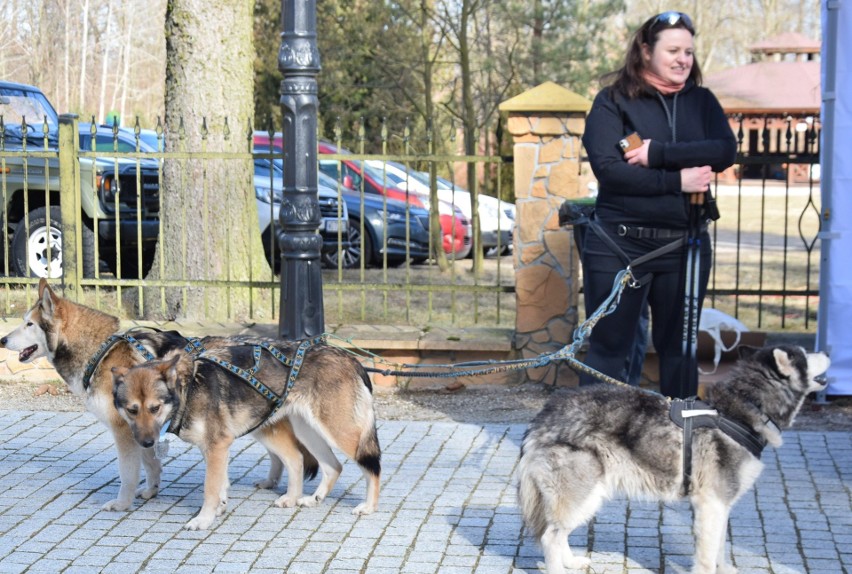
(695, 179)
(638, 156)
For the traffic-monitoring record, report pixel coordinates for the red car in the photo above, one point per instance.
(456, 228)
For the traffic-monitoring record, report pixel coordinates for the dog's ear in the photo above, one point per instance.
(168, 368)
(746, 351)
(47, 298)
(118, 373)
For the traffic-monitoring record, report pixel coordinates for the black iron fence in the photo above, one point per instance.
(766, 261)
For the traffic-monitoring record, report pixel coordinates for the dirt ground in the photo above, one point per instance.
(504, 404)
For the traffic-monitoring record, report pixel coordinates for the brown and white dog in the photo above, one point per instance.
(69, 335)
(204, 402)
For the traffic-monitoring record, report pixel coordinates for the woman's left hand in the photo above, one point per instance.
(639, 156)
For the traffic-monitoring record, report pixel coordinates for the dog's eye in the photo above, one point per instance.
(29, 323)
(132, 411)
(155, 409)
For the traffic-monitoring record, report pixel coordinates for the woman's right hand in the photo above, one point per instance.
(695, 179)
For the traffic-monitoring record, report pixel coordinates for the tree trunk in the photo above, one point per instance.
(84, 52)
(209, 226)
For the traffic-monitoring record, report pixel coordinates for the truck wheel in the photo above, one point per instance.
(29, 252)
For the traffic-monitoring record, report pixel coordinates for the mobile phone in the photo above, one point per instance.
(630, 142)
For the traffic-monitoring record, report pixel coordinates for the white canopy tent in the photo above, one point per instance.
(834, 332)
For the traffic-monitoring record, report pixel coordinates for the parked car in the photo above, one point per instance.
(33, 231)
(400, 245)
(269, 191)
(496, 217)
(455, 226)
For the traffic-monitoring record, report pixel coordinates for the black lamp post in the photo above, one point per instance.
(301, 280)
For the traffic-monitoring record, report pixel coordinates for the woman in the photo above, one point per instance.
(650, 196)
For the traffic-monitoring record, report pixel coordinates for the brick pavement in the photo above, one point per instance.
(447, 506)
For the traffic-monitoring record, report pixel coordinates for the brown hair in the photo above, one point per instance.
(628, 79)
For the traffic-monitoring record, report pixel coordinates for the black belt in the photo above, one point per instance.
(648, 232)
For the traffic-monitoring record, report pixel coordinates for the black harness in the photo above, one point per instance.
(197, 350)
(691, 413)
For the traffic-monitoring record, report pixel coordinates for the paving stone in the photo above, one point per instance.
(448, 505)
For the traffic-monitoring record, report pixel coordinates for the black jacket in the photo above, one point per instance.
(651, 196)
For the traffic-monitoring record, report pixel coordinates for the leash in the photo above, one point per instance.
(623, 279)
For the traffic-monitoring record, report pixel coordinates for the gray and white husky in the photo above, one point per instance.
(592, 443)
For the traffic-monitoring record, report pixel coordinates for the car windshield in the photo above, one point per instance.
(17, 106)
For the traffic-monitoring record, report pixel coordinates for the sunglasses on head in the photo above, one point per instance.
(671, 19)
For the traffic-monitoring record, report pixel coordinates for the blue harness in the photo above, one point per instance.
(197, 350)
(104, 349)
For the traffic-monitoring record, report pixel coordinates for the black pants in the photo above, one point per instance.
(613, 337)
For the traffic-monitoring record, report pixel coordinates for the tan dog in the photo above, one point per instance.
(69, 335)
(206, 404)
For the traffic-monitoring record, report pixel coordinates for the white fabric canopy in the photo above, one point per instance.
(835, 310)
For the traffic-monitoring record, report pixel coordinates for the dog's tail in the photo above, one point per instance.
(368, 454)
(530, 498)
(310, 463)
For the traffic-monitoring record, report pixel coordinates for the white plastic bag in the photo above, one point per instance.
(713, 322)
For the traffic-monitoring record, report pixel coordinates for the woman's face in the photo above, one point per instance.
(672, 55)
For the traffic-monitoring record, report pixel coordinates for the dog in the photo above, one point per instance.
(594, 442)
(69, 335)
(207, 402)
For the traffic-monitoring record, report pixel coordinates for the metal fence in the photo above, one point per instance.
(766, 260)
(103, 185)
(766, 246)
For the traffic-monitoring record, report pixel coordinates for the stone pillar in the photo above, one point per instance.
(546, 124)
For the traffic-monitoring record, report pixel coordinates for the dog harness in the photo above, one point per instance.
(105, 348)
(196, 349)
(691, 413)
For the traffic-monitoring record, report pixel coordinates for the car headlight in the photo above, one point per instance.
(396, 216)
(268, 194)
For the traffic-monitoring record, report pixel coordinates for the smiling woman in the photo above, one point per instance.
(653, 202)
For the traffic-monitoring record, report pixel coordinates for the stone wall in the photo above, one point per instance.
(547, 172)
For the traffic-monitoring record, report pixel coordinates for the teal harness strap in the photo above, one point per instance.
(248, 375)
(96, 359)
(193, 346)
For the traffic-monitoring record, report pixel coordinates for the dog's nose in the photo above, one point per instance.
(3, 341)
(148, 443)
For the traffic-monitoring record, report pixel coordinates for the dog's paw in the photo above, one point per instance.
(309, 501)
(286, 501)
(363, 509)
(223, 505)
(148, 493)
(266, 483)
(726, 569)
(200, 522)
(576, 562)
(116, 505)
